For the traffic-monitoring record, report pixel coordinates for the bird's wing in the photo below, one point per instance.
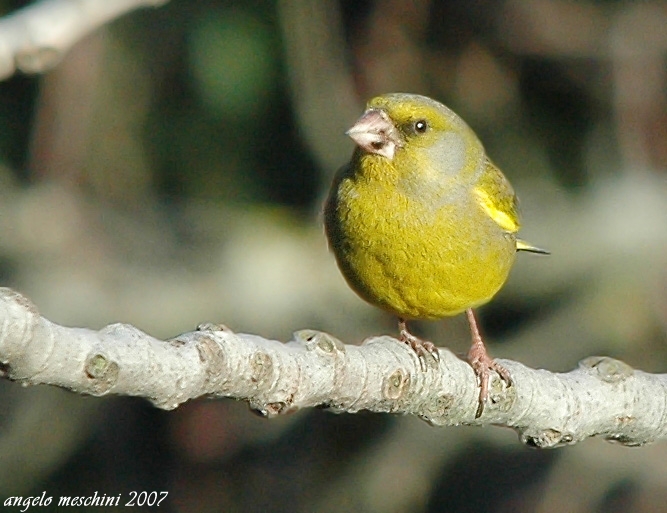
(497, 198)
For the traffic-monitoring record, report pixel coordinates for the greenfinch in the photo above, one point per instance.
(422, 223)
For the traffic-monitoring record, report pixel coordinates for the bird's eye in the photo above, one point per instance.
(421, 126)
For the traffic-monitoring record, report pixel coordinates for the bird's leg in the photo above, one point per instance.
(423, 348)
(483, 364)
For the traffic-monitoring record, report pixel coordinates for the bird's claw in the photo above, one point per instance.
(424, 349)
(482, 364)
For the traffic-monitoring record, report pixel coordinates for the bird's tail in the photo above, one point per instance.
(522, 245)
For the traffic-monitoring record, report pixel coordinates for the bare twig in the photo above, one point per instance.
(602, 397)
(35, 38)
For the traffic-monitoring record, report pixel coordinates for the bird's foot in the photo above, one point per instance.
(483, 364)
(424, 349)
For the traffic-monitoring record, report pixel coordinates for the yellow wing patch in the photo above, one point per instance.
(505, 221)
(497, 199)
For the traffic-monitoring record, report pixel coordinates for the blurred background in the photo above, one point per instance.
(171, 169)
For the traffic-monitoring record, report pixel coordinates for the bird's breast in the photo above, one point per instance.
(414, 257)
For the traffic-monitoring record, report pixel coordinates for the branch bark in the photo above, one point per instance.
(602, 397)
(34, 39)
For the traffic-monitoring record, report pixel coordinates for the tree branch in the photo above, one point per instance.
(602, 397)
(34, 39)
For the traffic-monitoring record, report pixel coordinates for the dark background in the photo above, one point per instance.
(170, 171)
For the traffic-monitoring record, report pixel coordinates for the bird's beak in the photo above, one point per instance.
(374, 132)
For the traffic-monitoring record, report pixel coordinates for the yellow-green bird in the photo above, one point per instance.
(422, 223)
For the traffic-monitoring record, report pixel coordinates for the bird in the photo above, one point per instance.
(422, 223)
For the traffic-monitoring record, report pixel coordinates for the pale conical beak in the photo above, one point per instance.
(374, 132)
